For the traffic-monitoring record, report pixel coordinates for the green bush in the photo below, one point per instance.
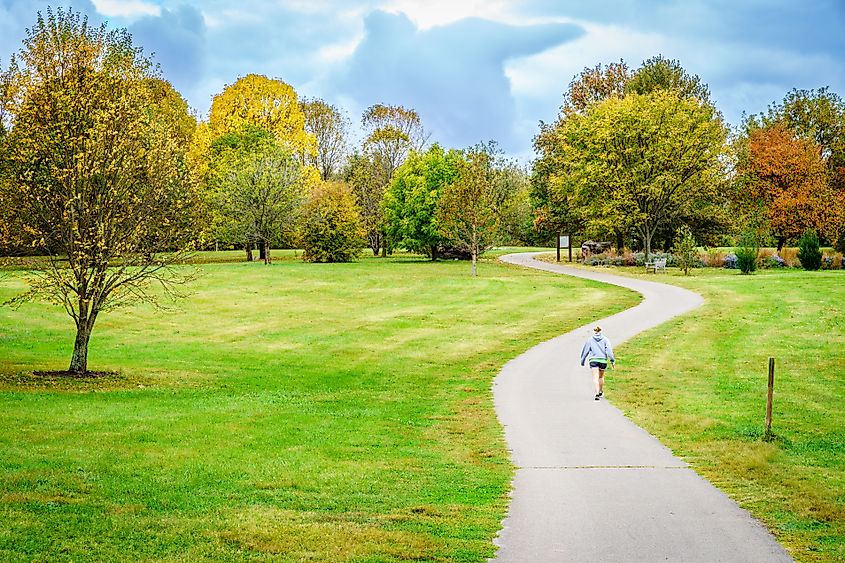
(809, 252)
(747, 251)
(332, 229)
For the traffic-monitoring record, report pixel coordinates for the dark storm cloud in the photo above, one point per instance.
(453, 75)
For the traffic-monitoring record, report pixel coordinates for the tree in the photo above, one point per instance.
(392, 132)
(660, 73)
(332, 231)
(594, 85)
(363, 176)
(410, 203)
(262, 102)
(330, 129)
(252, 101)
(637, 162)
(784, 177)
(466, 212)
(555, 205)
(94, 170)
(686, 249)
(811, 114)
(261, 186)
(817, 116)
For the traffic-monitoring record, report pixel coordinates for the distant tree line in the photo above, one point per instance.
(634, 156)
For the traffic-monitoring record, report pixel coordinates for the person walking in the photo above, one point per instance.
(598, 350)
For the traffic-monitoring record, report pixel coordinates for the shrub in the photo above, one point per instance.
(713, 258)
(731, 261)
(746, 252)
(332, 231)
(639, 259)
(808, 251)
(790, 257)
(832, 261)
(775, 261)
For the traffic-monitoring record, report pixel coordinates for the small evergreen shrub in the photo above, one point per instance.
(809, 252)
(746, 253)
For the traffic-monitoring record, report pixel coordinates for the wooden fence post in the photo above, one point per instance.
(768, 435)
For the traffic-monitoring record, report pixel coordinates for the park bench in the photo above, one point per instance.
(656, 265)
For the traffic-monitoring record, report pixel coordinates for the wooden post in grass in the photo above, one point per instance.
(768, 435)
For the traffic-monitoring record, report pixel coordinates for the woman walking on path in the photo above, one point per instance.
(598, 349)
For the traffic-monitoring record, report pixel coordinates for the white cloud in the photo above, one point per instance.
(442, 12)
(126, 8)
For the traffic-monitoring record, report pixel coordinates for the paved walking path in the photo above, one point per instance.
(590, 484)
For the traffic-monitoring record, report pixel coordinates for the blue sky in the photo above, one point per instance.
(475, 70)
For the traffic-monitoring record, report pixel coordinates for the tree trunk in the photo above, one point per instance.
(474, 261)
(620, 241)
(433, 252)
(781, 241)
(248, 248)
(647, 241)
(375, 242)
(265, 251)
(383, 245)
(262, 251)
(79, 360)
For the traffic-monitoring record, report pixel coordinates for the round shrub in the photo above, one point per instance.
(775, 261)
(809, 252)
(332, 230)
(731, 261)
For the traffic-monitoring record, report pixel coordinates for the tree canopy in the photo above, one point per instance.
(330, 129)
(635, 162)
(410, 203)
(94, 168)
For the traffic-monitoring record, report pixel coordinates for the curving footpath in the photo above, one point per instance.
(591, 485)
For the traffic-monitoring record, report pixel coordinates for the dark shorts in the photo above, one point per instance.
(600, 365)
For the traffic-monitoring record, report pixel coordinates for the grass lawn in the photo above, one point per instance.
(699, 384)
(297, 411)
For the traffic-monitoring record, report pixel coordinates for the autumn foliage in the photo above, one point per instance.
(787, 178)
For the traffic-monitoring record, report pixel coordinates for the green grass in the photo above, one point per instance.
(333, 412)
(701, 389)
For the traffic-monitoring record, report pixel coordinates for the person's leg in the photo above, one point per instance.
(596, 379)
(600, 382)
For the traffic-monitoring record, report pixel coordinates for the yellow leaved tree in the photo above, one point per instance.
(93, 170)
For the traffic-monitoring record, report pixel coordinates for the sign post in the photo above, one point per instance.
(563, 241)
(558, 245)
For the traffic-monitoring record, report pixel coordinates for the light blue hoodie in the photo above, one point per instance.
(597, 348)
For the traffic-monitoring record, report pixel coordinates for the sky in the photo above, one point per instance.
(475, 70)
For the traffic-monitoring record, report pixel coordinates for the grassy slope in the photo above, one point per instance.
(328, 412)
(699, 384)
